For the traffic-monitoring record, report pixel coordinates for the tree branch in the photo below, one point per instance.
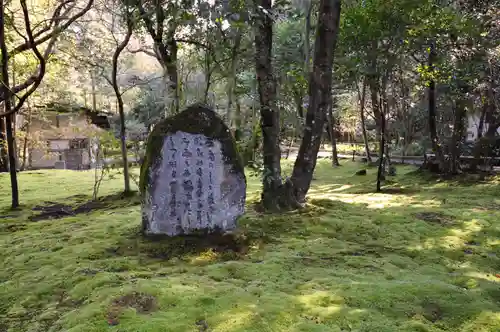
(55, 31)
(142, 50)
(33, 43)
(193, 42)
(116, 55)
(40, 57)
(56, 16)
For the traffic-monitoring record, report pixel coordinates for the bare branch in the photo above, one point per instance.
(146, 81)
(56, 17)
(33, 43)
(41, 58)
(142, 50)
(193, 42)
(55, 31)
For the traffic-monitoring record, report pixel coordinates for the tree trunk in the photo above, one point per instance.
(169, 63)
(231, 83)
(457, 137)
(26, 138)
(4, 158)
(320, 87)
(290, 145)
(384, 129)
(380, 173)
(333, 141)
(480, 127)
(307, 34)
(8, 108)
(362, 99)
(237, 116)
(123, 131)
(94, 99)
(436, 147)
(270, 117)
(298, 102)
(208, 77)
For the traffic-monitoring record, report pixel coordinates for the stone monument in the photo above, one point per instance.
(192, 177)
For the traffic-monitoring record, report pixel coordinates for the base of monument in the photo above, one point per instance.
(192, 232)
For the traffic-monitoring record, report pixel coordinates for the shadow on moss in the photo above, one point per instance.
(54, 210)
(254, 232)
(226, 246)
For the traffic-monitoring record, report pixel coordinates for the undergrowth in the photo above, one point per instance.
(424, 255)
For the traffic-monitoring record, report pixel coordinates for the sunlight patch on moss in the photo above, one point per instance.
(205, 258)
(373, 201)
(234, 320)
(486, 321)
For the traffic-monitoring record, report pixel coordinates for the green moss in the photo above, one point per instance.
(352, 260)
(196, 119)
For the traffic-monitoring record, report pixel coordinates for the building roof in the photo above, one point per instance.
(99, 118)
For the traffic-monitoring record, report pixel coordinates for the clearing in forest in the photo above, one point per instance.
(423, 256)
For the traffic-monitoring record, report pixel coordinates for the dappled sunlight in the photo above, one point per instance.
(321, 303)
(204, 258)
(493, 242)
(235, 319)
(343, 187)
(455, 238)
(445, 242)
(330, 187)
(372, 201)
(483, 322)
(484, 276)
(425, 203)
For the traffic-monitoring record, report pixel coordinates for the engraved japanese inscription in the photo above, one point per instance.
(191, 185)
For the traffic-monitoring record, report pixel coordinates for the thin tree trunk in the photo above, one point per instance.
(8, 108)
(307, 35)
(298, 103)
(380, 172)
(237, 115)
(14, 117)
(331, 130)
(436, 147)
(362, 100)
(231, 83)
(170, 66)
(94, 98)
(4, 158)
(290, 145)
(26, 138)
(457, 137)
(384, 111)
(270, 117)
(208, 72)
(480, 127)
(320, 87)
(123, 131)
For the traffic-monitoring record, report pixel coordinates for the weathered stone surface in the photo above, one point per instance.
(191, 178)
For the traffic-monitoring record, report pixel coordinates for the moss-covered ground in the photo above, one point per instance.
(423, 256)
